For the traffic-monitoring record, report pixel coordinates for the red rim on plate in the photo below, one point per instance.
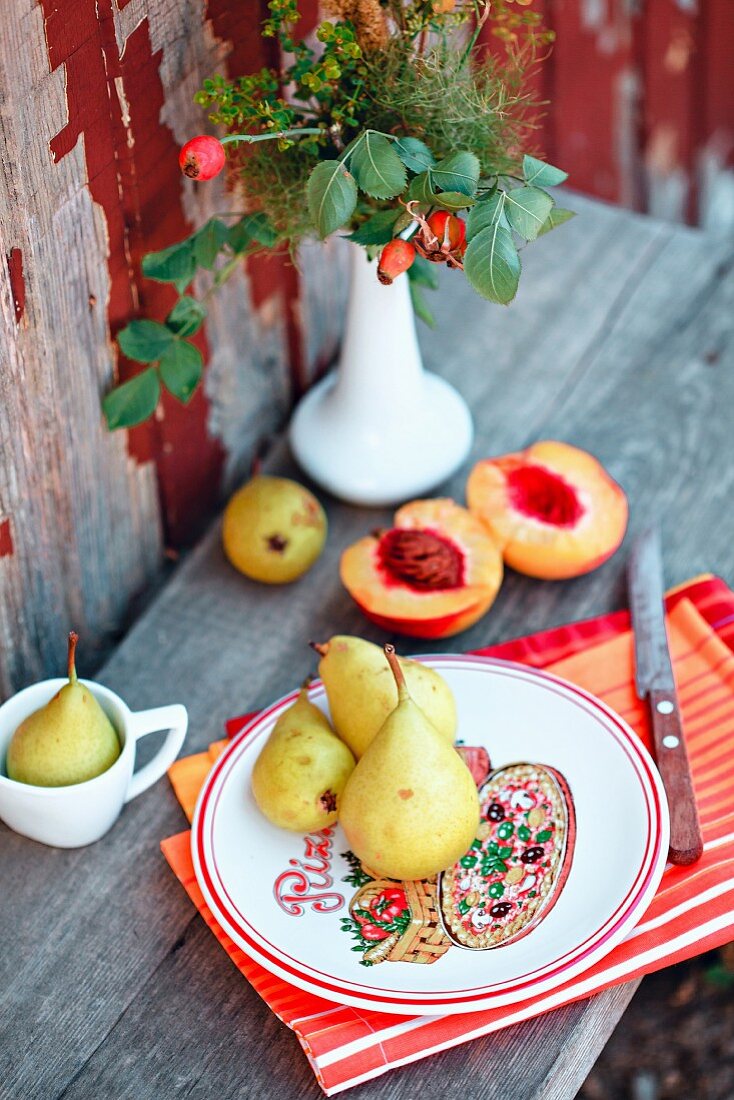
(254, 941)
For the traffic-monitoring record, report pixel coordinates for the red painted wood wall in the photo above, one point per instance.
(642, 104)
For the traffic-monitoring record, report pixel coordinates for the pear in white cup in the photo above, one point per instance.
(67, 741)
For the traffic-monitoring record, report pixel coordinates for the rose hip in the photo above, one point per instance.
(202, 158)
(449, 229)
(395, 258)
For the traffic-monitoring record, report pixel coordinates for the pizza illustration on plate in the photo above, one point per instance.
(514, 872)
(500, 890)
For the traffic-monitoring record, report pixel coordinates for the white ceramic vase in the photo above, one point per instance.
(380, 430)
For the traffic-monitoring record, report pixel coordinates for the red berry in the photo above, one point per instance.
(448, 228)
(395, 258)
(202, 158)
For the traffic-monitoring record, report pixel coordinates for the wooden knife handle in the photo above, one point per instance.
(686, 842)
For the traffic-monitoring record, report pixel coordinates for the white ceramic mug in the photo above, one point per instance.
(69, 817)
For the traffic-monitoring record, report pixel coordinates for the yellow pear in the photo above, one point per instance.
(69, 740)
(410, 807)
(361, 690)
(273, 530)
(300, 773)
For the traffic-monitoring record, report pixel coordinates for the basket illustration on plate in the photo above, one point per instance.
(398, 922)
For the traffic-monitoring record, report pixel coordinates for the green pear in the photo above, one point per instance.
(300, 773)
(67, 741)
(410, 807)
(361, 690)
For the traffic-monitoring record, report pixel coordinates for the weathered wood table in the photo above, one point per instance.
(622, 341)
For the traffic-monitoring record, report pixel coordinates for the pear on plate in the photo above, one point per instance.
(361, 690)
(300, 774)
(69, 740)
(410, 807)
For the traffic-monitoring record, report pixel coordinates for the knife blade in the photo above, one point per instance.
(654, 681)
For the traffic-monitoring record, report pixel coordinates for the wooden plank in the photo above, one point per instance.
(82, 518)
(98, 99)
(621, 340)
(594, 92)
(673, 66)
(715, 155)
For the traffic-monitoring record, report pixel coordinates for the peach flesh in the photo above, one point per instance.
(543, 495)
(431, 575)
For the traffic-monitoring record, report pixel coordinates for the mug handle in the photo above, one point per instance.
(175, 719)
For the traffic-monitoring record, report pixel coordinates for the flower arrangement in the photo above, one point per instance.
(393, 126)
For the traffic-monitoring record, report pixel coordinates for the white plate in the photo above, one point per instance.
(283, 899)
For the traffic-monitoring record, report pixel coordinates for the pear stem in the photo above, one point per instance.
(397, 671)
(71, 666)
(322, 650)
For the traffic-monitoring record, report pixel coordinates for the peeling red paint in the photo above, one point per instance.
(17, 281)
(270, 276)
(132, 170)
(673, 101)
(6, 539)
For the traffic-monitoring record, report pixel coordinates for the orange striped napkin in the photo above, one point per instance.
(692, 912)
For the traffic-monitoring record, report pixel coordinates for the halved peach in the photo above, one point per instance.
(434, 573)
(553, 509)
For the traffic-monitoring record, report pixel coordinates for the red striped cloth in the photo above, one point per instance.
(692, 912)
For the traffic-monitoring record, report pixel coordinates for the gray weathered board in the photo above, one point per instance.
(110, 985)
(81, 514)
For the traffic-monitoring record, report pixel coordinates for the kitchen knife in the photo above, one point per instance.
(654, 681)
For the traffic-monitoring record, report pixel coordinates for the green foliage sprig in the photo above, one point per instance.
(390, 113)
(174, 362)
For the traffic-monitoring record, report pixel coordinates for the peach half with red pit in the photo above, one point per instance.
(434, 573)
(553, 509)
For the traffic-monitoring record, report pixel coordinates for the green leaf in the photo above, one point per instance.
(181, 369)
(252, 229)
(186, 317)
(377, 168)
(421, 189)
(423, 273)
(452, 200)
(414, 154)
(419, 305)
(459, 172)
(492, 265)
(332, 196)
(541, 174)
(376, 230)
(133, 401)
(176, 264)
(556, 217)
(485, 213)
(208, 241)
(527, 209)
(144, 341)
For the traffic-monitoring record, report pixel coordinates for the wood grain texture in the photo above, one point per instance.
(622, 341)
(686, 841)
(84, 518)
(96, 99)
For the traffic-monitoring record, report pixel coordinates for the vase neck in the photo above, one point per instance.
(380, 360)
